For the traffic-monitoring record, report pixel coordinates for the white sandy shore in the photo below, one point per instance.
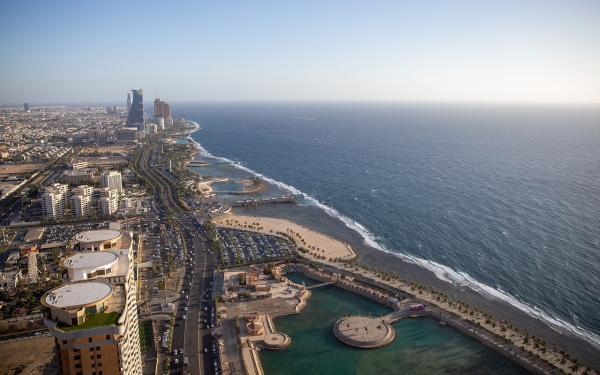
(315, 242)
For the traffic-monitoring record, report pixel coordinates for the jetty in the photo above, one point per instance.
(198, 164)
(256, 202)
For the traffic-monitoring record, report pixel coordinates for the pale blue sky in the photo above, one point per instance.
(492, 51)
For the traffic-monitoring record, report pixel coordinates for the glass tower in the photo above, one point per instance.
(135, 118)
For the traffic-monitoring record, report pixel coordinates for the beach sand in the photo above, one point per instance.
(315, 242)
(205, 188)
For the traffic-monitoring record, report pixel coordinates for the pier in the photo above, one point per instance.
(256, 202)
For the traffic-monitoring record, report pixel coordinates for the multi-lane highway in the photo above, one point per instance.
(193, 333)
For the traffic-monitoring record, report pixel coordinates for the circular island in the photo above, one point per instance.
(365, 332)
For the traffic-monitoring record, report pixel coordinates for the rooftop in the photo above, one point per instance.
(98, 235)
(90, 260)
(78, 294)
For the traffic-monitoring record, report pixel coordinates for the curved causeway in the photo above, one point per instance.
(365, 332)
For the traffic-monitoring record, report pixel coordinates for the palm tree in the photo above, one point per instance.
(575, 367)
(366, 332)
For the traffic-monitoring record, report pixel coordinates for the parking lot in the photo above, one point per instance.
(239, 247)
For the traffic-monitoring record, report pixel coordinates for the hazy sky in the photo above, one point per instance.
(507, 51)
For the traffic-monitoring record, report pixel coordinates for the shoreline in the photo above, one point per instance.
(372, 255)
(454, 319)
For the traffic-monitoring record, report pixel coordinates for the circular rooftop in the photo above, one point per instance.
(98, 235)
(90, 260)
(78, 294)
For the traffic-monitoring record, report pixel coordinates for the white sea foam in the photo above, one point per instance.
(441, 271)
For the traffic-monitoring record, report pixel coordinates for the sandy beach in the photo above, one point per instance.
(205, 188)
(318, 244)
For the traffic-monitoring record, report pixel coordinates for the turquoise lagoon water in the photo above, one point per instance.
(421, 346)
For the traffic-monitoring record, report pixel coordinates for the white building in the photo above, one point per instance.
(52, 205)
(81, 200)
(81, 205)
(112, 179)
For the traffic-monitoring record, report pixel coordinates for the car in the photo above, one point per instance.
(175, 352)
(185, 309)
(205, 350)
(38, 333)
(176, 361)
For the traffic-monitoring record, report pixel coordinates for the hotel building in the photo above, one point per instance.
(93, 315)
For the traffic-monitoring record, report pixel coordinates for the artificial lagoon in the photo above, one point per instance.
(421, 345)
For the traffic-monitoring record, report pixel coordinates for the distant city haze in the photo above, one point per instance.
(468, 51)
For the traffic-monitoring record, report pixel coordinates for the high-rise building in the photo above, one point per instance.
(26, 107)
(109, 201)
(162, 109)
(54, 200)
(93, 315)
(135, 117)
(81, 200)
(128, 102)
(81, 205)
(52, 205)
(112, 180)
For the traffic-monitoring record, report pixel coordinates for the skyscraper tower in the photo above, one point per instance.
(128, 102)
(26, 107)
(162, 109)
(136, 112)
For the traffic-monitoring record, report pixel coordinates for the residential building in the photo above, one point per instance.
(52, 205)
(81, 200)
(77, 176)
(93, 315)
(112, 180)
(109, 201)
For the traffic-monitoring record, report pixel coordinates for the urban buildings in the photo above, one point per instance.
(112, 180)
(26, 107)
(81, 200)
(54, 200)
(128, 135)
(108, 202)
(162, 109)
(93, 315)
(135, 118)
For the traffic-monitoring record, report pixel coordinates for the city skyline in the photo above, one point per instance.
(338, 51)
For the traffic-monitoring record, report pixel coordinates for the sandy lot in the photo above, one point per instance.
(315, 242)
(16, 169)
(121, 149)
(35, 357)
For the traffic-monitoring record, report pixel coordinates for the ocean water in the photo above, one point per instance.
(503, 199)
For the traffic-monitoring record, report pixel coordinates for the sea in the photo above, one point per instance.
(500, 198)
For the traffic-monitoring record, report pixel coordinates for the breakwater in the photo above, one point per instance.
(256, 202)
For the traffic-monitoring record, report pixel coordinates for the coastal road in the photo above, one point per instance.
(192, 333)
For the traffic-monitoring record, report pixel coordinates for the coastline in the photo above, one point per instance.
(372, 255)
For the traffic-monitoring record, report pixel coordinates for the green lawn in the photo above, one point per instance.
(97, 320)
(146, 337)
